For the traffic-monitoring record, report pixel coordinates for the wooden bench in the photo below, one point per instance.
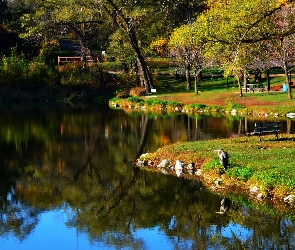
(266, 128)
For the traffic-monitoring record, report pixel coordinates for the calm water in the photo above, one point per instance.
(68, 181)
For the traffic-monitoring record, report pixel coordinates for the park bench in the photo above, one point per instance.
(266, 128)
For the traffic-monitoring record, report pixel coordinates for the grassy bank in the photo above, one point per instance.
(257, 169)
(211, 102)
(215, 94)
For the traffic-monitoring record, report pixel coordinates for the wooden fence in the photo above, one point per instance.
(74, 59)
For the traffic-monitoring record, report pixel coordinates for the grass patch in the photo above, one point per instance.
(135, 99)
(240, 173)
(267, 164)
(274, 96)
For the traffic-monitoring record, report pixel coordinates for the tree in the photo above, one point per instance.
(150, 21)
(234, 31)
(51, 20)
(186, 53)
(126, 23)
(282, 48)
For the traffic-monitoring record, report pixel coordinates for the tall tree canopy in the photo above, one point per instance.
(140, 22)
(237, 31)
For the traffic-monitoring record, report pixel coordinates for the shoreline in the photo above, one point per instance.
(252, 188)
(149, 104)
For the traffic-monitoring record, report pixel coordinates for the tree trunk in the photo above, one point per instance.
(286, 73)
(188, 69)
(144, 72)
(287, 80)
(123, 21)
(268, 80)
(196, 82)
(245, 79)
(240, 87)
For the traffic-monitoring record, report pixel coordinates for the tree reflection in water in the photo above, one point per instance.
(79, 163)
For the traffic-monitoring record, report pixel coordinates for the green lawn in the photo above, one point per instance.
(268, 164)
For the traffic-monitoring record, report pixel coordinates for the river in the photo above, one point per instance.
(68, 181)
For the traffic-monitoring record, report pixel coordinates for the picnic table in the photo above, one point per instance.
(252, 87)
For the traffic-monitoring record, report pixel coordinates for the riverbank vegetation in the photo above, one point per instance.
(247, 39)
(259, 171)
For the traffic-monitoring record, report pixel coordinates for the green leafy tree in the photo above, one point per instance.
(234, 31)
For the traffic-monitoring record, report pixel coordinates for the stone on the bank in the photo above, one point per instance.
(164, 163)
(140, 164)
(179, 164)
(254, 189)
(190, 166)
(217, 182)
(198, 172)
(259, 196)
(291, 115)
(290, 198)
(144, 155)
(234, 112)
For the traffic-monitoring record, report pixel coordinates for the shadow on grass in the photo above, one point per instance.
(285, 139)
(168, 84)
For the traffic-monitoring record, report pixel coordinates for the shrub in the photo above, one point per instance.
(135, 99)
(17, 71)
(137, 91)
(154, 102)
(230, 105)
(196, 106)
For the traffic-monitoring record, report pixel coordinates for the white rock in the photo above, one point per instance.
(291, 115)
(140, 164)
(164, 170)
(190, 172)
(217, 182)
(198, 172)
(254, 189)
(234, 112)
(164, 164)
(290, 198)
(259, 196)
(190, 166)
(179, 165)
(144, 155)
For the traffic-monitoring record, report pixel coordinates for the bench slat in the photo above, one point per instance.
(268, 124)
(266, 128)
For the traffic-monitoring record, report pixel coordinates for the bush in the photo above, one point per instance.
(230, 105)
(135, 100)
(19, 72)
(137, 91)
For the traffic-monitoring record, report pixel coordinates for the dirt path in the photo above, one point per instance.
(219, 99)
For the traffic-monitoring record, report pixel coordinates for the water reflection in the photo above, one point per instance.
(70, 172)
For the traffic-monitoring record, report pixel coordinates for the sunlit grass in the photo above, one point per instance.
(268, 163)
(274, 96)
